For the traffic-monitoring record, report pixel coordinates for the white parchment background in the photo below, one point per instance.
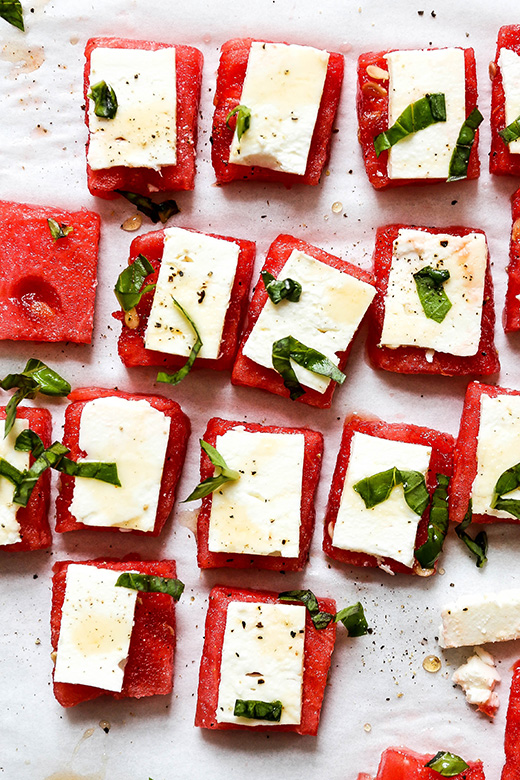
(377, 679)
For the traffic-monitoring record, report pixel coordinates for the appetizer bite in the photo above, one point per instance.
(434, 312)
(505, 103)
(141, 105)
(113, 629)
(48, 260)
(275, 105)
(388, 504)
(511, 768)
(258, 509)
(512, 307)
(303, 317)
(399, 762)
(145, 436)
(264, 664)
(184, 296)
(418, 116)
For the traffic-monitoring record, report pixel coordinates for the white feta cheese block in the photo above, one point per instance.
(498, 449)
(509, 64)
(262, 659)
(387, 530)
(477, 678)
(199, 272)
(143, 133)
(282, 88)
(9, 525)
(133, 435)
(479, 618)
(405, 323)
(414, 74)
(96, 626)
(326, 317)
(259, 514)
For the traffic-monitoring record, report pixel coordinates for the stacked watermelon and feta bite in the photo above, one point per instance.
(512, 308)
(402, 764)
(505, 103)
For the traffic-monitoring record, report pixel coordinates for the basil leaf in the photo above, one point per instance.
(150, 583)
(59, 231)
(155, 211)
(278, 290)
(507, 482)
(288, 349)
(307, 597)
(104, 472)
(243, 119)
(174, 379)
(477, 546)
(417, 116)
(50, 458)
(29, 441)
(130, 281)
(511, 132)
(434, 301)
(105, 100)
(377, 488)
(12, 12)
(354, 620)
(447, 764)
(35, 378)
(460, 158)
(438, 524)
(10, 472)
(258, 710)
(213, 483)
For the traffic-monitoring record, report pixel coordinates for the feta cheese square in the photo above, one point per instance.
(509, 64)
(9, 525)
(480, 618)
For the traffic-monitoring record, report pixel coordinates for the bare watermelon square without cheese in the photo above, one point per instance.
(216, 692)
(505, 108)
(200, 288)
(146, 436)
(424, 157)
(275, 64)
(334, 298)
(153, 177)
(511, 770)
(422, 323)
(402, 764)
(358, 535)
(149, 668)
(265, 519)
(512, 307)
(47, 285)
(28, 528)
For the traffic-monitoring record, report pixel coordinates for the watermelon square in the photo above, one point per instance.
(232, 542)
(47, 286)
(502, 160)
(375, 433)
(511, 768)
(324, 295)
(232, 69)
(131, 345)
(103, 182)
(512, 308)
(414, 357)
(400, 762)
(32, 520)
(161, 434)
(149, 668)
(317, 652)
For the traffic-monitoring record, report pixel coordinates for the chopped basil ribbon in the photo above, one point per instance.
(479, 545)
(105, 100)
(59, 231)
(377, 488)
(353, 618)
(12, 12)
(174, 379)
(155, 211)
(511, 132)
(278, 290)
(417, 116)
(460, 158)
(258, 710)
(288, 349)
(438, 524)
(150, 583)
(509, 481)
(128, 289)
(447, 764)
(243, 119)
(213, 483)
(35, 378)
(10, 472)
(434, 301)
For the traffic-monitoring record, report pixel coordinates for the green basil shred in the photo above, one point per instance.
(447, 764)
(243, 119)
(438, 523)
(434, 301)
(288, 349)
(59, 230)
(12, 12)
(377, 488)
(154, 211)
(129, 286)
(150, 583)
(353, 617)
(507, 482)
(277, 290)
(477, 546)
(258, 710)
(354, 620)
(105, 100)
(511, 132)
(417, 116)
(213, 483)
(35, 378)
(460, 157)
(174, 379)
